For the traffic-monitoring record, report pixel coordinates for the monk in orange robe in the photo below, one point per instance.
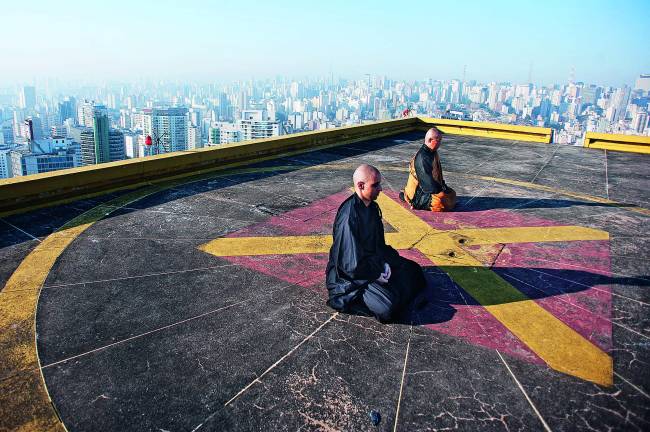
(426, 188)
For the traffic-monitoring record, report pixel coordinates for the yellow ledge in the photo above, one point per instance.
(491, 130)
(21, 194)
(624, 143)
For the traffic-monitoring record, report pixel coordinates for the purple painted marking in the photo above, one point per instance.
(317, 218)
(586, 310)
(305, 270)
(474, 219)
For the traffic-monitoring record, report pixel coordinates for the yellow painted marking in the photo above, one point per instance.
(530, 234)
(18, 301)
(250, 246)
(561, 347)
(19, 297)
(527, 185)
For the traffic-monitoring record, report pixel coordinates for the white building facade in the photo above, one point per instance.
(167, 128)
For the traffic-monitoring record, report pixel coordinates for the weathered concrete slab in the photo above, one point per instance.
(140, 329)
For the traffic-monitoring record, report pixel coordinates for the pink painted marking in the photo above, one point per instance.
(317, 218)
(474, 219)
(475, 324)
(305, 270)
(587, 310)
(479, 327)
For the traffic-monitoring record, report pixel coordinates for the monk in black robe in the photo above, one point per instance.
(364, 275)
(426, 188)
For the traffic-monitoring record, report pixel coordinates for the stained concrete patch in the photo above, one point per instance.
(331, 384)
(450, 385)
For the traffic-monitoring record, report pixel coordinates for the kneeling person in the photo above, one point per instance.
(364, 275)
(426, 188)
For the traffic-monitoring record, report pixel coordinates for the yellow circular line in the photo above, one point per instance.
(25, 403)
(24, 398)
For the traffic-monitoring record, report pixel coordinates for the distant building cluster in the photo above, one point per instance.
(47, 131)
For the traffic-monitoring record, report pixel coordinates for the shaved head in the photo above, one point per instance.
(367, 183)
(432, 138)
(362, 173)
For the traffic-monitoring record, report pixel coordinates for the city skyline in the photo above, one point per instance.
(510, 41)
(47, 130)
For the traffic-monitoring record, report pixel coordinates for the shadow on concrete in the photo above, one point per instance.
(18, 232)
(470, 204)
(437, 303)
(42, 222)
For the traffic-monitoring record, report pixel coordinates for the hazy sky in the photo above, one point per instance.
(605, 41)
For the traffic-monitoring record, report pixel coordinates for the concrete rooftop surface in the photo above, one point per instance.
(199, 304)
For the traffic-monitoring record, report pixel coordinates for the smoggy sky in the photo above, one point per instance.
(605, 41)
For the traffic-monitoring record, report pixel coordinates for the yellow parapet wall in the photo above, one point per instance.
(624, 143)
(491, 130)
(21, 194)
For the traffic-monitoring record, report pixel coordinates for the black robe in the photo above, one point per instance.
(429, 176)
(357, 258)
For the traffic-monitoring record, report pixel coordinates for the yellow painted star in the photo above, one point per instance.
(561, 347)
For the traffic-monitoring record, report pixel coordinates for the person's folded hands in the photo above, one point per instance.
(383, 278)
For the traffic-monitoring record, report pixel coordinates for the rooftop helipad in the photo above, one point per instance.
(199, 303)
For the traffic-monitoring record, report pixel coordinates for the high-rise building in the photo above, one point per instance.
(229, 133)
(49, 154)
(640, 121)
(167, 128)
(456, 89)
(643, 83)
(87, 145)
(85, 114)
(27, 99)
(116, 147)
(255, 124)
(195, 117)
(101, 126)
(225, 109)
(296, 90)
(214, 137)
(590, 94)
(18, 118)
(194, 140)
(493, 94)
(5, 163)
(100, 143)
(296, 121)
(620, 100)
(132, 145)
(31, 129)
(8, 134)
(58, 131)
(66, 110)
(41, 163)
(125, 119)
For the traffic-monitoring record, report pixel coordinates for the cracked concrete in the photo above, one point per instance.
(139, 330)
